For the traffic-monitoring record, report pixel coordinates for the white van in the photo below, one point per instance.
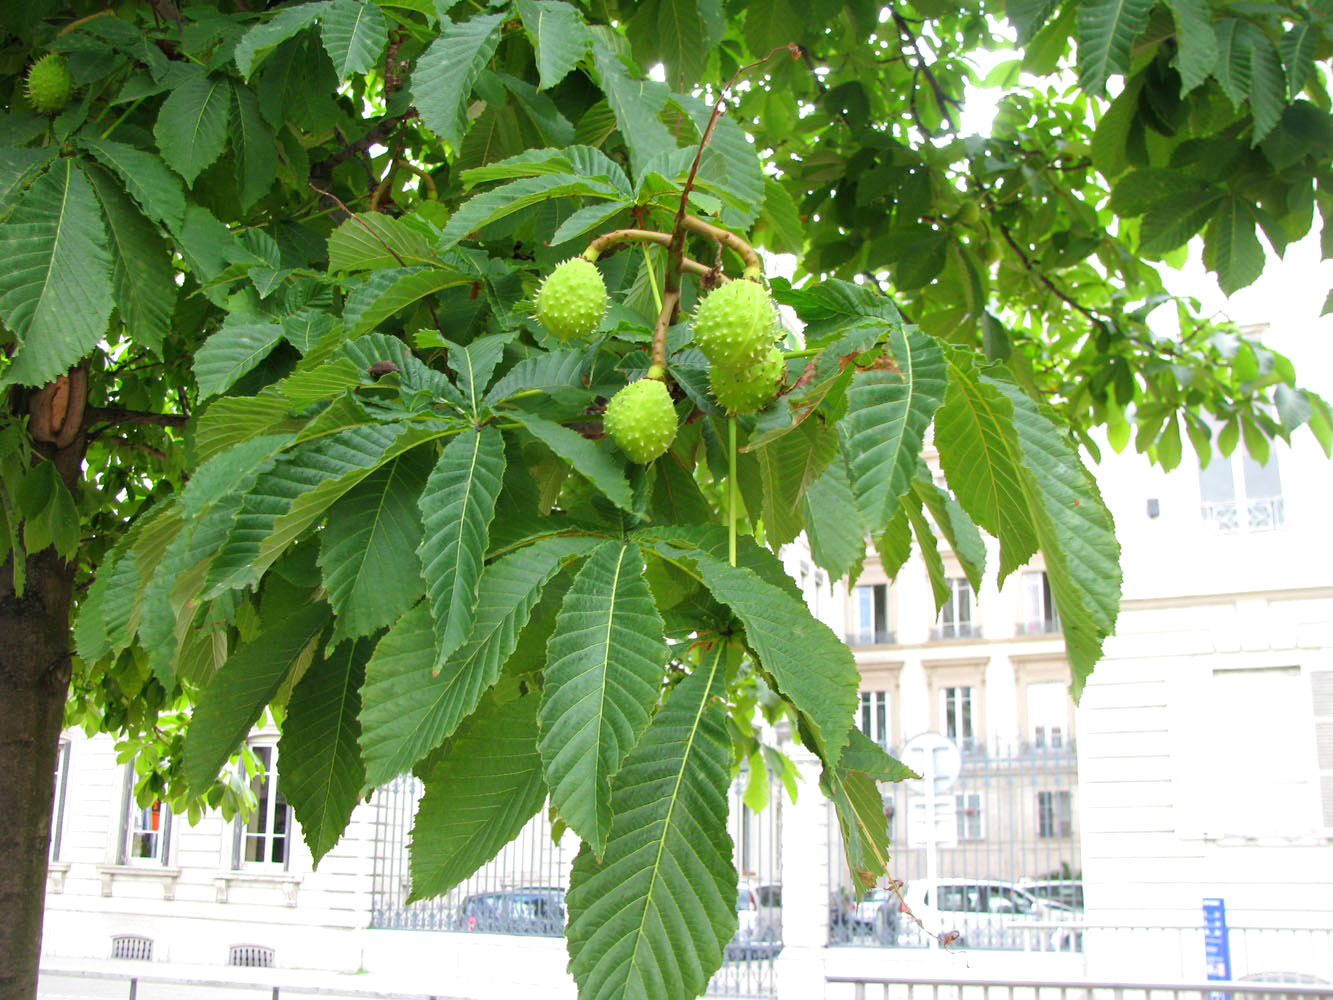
(980, 913)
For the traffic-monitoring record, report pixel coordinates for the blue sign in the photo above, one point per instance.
(1216, 943)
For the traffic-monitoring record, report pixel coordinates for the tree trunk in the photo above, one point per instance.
(34, 681)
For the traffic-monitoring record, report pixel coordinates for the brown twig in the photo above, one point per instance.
(943, 100)
(157, 453)
(609, 242)
(118, 415)
(670, 302)
(754, 267)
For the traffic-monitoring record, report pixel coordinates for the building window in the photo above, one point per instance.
(1055, 814)
(143, 829)
(1039, 614)
(58, 800)
(971, 822)
(263, 840)
(956, 710)
(1248, 501)
(1048, 715)
(874, 718)
(956, 616)
(870, 608)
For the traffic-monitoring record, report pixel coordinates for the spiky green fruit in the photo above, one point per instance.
(641, 420)
(50, 83)
(572, 299)
(744, 390)
(735, 324)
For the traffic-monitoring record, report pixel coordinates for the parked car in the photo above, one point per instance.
(876, 916)
(983, 913)
(758, 923)
(1068, 892)
(530, 910)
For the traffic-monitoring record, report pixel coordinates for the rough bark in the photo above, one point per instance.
(34, 682)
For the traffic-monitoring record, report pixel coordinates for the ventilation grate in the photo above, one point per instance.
(132, 946)
(251, 956)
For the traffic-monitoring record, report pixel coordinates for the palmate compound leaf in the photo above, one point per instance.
(651, 920)
(478, 796)
(247, 682)
(812, 667)
(322, 772)
(603, 674)
(55, 287)
(457, 506)
(407, 710)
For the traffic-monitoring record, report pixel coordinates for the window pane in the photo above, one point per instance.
(1216, 484)
(1261, 480)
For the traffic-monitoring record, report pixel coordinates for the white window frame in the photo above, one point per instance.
(268, 811)
(1246, 508)
(1055, 814)
(1040, 616)
(950, 625)
(873, 718)
(970, 808)
(876, 633)
(58, 800)
(136, 823)
(958, 714)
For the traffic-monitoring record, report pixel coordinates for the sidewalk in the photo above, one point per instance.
(77, 979)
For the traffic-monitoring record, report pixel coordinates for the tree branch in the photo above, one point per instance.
(117, 415)
(941, 98)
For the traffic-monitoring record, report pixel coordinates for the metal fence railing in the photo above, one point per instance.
(905, 988)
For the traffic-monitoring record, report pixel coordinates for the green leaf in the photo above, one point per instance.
(865, 755)
(497, 203)
(474, 364)
(1075, 531)
(1197, 52)
(559, 37)
(635, 102)
(446, 72)
(232, 351)
(889, 408)
(589, 461)
(652, 919)
(233, 700)
(322, 773)
(1298, 48)
(549, 371)
(958, 529)
(1029, 16)
(56, 286)
(833, 523)
(367, 551)
(974, 432)
(18, 166)
(770, 24)
(141, 273)
(1231, 245)
(230, 420)
(354, 35)
(456, 507)
(930, 550)
(1110, 142)
(865, 829)
(1234, 68)
(673, 33)
(1106, 32)
(391, 290)
(1268, 85)
(191, 125)
(788, 467)
(256, 152)
(408, 710)
(812, 667)
(371, 240)
(1172, 221)
(603, 674)
(147, 180)
(262, 39)
(477, 797)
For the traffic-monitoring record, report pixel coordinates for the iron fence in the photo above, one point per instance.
(906, 988)
(1007, 831)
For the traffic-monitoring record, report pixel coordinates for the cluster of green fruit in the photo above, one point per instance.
(50, 83)
(734, 326)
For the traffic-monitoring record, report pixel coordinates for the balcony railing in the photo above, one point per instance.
(871, 637)
(1261, 514)
(1038, 626)
(955, 630)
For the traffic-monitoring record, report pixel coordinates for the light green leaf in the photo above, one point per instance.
(262, 39)
(1106, 32)
(367, 551)
(389, 291)
(927, 543)
(635, 103)
(408, 710)
(141, 273)
(230, 420)
(1197, 52)
(322, 773)
(371, 240)
(1231, 245)
(788, 467)
(958, 529)
(231, 352)
(232, 701)
(456, 507)
(354, 35)
(559, 37)
(446, 72)
(865, 755)
(478, 796)
(147, 180)
(191, 125)
(589, 461)
(497, 203)
(549, 371)
(652, 919)
(832, 522)
(56, 286)
(586, 218)
(474, 364)
(603, 674)
(889, 408)
(865, 829)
